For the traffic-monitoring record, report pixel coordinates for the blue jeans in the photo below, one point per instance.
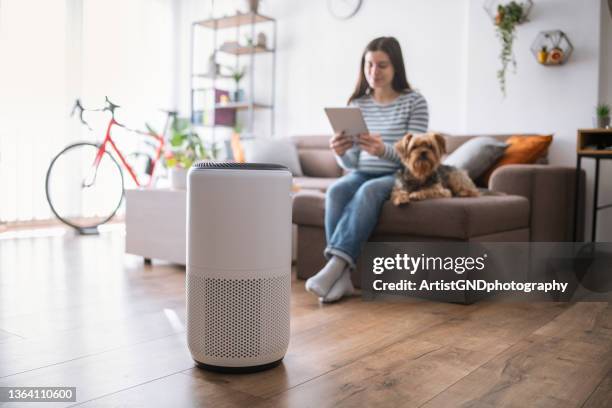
(352, 206)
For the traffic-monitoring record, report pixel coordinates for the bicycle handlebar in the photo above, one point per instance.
(110, 107)
(79, 107)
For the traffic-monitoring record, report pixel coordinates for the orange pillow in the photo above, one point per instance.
(521, 150)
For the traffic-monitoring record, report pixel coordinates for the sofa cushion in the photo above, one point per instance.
(454, 141)
(456, 217)
(309, 208)
(316, 157)
(522, 150)
(459, 218)
(313, 183)
(276, 151)
(317, 163)
(476, 155)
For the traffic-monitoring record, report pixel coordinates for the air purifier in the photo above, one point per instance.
(238, 265)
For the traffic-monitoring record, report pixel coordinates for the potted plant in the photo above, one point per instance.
(237, 75)
(507, 18)
(185, 148)
(253, 5)
(603, 115)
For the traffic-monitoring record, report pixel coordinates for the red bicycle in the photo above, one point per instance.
(85, 183)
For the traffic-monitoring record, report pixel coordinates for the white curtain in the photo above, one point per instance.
(52, 51)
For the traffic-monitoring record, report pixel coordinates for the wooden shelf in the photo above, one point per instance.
(210, 76)
(596, 130)
(233, 49)
(204, 126)
(589, 138)
(246, 50)
(241, 105)
(234, 21)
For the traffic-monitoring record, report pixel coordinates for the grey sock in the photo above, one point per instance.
(322, 282)
(342, 287)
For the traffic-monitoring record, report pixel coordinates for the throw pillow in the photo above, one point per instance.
(476, 155)
(274, 151)
(522, 150)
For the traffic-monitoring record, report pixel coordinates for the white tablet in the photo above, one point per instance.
(348, 120)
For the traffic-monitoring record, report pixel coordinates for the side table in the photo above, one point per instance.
(595, 144)
(155, 225)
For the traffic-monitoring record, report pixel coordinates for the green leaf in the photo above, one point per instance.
(179, 125)
(177, 140)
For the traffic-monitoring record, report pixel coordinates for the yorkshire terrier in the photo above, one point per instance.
(423, 175)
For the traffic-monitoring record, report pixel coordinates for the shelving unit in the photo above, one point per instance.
(215, 82)
(595, 144)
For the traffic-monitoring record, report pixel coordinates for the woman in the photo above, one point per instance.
(352, 205)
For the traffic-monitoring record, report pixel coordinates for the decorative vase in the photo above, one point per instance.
(178, 178)
(603, 122)
(253, 5)
(262, 40)
(239, 95)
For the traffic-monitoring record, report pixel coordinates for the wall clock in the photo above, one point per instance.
(343, 9)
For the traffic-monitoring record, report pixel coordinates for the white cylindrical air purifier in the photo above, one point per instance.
(238, 265)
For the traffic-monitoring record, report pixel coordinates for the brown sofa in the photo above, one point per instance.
(527, 203)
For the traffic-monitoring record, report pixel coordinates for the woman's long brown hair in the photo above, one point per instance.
(391, 47)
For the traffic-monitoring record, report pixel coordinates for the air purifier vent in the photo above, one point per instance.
(238, 318)
(213, 165)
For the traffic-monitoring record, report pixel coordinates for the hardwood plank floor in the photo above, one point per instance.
(77, 311)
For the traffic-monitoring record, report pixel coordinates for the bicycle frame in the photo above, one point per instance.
(108, 139)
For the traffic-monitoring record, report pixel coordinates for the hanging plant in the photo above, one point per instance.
(507, 18)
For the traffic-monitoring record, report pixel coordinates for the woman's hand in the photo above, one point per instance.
(340, 143)
(372, 143)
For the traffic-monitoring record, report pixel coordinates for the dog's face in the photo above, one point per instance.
(421, 154)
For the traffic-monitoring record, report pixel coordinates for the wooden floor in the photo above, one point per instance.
(79, 312)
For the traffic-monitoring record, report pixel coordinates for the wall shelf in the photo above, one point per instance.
(242, 105)
(234, 21)
(245, 50)
(211, 76)
(222, 46)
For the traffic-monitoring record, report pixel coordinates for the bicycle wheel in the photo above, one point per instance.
(80, 195)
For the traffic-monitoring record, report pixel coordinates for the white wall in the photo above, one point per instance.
(32, 102)
(56, 50)
(318, 55)
(451, 54)
(604, 223)
(543, 99)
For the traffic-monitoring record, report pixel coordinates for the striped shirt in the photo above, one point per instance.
(407, 113)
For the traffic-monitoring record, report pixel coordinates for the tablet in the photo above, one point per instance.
(348, 120)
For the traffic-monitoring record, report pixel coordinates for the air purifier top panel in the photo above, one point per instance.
(239, 222)
(206, 165)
